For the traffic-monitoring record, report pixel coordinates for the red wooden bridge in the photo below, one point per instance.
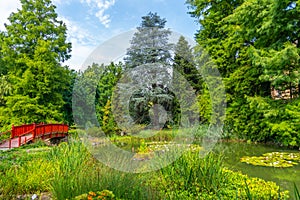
(30, 132)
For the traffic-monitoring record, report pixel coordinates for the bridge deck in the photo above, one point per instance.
(15, 141)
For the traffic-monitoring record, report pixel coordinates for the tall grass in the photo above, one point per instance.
(27, 177)
(194, 177)
(77, 172)
(192, 174)
(296, 192)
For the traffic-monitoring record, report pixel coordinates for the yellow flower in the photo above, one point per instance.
(92, 194)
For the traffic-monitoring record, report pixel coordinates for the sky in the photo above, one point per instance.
(91, 23)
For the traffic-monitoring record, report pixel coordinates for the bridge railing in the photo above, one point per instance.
(18, 131)
(43, 129)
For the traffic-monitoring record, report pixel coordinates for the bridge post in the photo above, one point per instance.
(19, 141)
(23, 129)
(9, 146)
(51, 130)
(12, 131)
(34, 131)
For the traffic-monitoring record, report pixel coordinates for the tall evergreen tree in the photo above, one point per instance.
(184, 63)
(34, 45)
(213, 32)
(150, 43)
(150, 48)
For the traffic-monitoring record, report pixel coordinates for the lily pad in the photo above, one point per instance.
(273, 159)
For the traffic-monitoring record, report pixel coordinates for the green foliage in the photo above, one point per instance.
(67, 98)
(193, 177)
(105, 95)
(24, 171)
(34, 44)
(69, 170)
(147, 106)
(184, 63)
(254, 45)
(95, 86)
(296, 191)
(32, 177)
(4, 136)
(150, 50)
(77, 172)
(83, 99)
(192, 174)
(204, 105)
(71, 164)
(5, 89)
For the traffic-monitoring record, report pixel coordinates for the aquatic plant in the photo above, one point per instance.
(273, 159)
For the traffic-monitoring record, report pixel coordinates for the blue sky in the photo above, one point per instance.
(92, 22)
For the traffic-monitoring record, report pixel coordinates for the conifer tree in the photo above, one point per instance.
(33, 49)
(185, 65)
(150, 43)
(151, 50)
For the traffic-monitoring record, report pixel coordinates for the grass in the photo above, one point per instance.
(24, 171)
(296, 192)
(76, 172)
(194, 177)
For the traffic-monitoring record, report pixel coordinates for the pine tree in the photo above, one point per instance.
(151, 50)
(184, 63)
(150, 43)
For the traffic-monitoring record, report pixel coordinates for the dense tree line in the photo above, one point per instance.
(254, 44)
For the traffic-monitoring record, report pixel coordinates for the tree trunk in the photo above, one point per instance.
(156, 116)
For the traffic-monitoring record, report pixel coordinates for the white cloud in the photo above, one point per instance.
(83, 43)
(61, 2)
(100, 6)
(6, 8)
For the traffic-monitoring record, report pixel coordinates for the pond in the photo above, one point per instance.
(233, 151)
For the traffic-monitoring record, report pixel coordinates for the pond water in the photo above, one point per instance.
(233, 151)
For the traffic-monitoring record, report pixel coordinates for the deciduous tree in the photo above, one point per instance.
(33, 49)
